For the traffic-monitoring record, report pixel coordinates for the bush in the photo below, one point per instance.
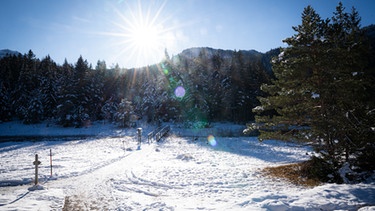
(319, 169)
(308, 173)
(291, 173)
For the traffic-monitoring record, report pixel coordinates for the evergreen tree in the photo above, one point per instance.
(66, 98)
(73, 104)
(152, 98)
(194, 104)
(34, 112)
(25, 87)
(94, 91)
(5, 109)
(216, 89)
(124, 113)
(167, 106)
(291, 94)
(320, 92)
(109, 110)
(48, 85)
(354, 85)
(81, 92)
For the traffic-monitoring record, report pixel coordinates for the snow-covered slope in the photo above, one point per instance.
(192, 53)
(182, 172)
(6, 52)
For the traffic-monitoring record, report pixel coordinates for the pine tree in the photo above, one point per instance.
(48, 85)
(291, 94)
(5, 109)
(34, 112)
(124, 113)
(215, 89)
(353, 82)
(62, 112)
(194, 105)
(24, 89)
(94, 91)
(74, 100)
(320, 92)
(109, 110)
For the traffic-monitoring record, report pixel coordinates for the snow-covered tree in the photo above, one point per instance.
(5, 109)
(48, 85)
(125, 114)
(34, 111)
(74, 101)
(109, 110)
(65, 106)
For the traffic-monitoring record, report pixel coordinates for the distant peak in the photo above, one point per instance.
(6, 52)
(195, 52)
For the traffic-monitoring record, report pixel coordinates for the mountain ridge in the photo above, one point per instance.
(7, 52)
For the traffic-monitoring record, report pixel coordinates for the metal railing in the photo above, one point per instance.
(158, 133)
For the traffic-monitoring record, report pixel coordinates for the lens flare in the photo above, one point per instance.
(179, 91)
(211, 140)
(141, 31)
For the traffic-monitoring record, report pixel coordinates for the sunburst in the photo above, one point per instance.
(142, 34)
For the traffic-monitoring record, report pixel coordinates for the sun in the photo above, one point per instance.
(145, 37)
(142, 35)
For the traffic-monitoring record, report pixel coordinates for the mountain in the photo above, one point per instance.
(209, 53)
(6, 52)
(370, 31)
(190, 55)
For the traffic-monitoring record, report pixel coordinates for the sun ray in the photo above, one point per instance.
(142, 31)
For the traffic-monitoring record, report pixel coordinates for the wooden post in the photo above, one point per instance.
(50, 159)
(36, 163)
(139, 131)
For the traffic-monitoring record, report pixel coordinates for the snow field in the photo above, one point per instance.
(194, 176)
(178, 173)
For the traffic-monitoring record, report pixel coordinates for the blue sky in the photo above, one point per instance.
(134, 33)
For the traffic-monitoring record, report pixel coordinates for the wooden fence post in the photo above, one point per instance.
(36, 163)
(139, 131)
(50, 159)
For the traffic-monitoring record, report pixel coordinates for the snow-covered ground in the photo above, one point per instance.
(185, 171)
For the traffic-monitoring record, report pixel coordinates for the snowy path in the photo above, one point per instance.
(176, 174)
(93, 191)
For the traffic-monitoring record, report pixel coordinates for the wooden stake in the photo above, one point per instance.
(36, 163)
(50, 159)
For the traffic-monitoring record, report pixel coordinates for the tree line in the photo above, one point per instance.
(323, 93)
(218, 86)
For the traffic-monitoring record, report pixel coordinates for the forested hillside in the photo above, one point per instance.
(196, 86)
(211, 85)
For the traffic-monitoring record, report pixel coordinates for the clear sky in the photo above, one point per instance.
(134, 33)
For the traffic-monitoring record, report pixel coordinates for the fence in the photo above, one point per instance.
(158, 133)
